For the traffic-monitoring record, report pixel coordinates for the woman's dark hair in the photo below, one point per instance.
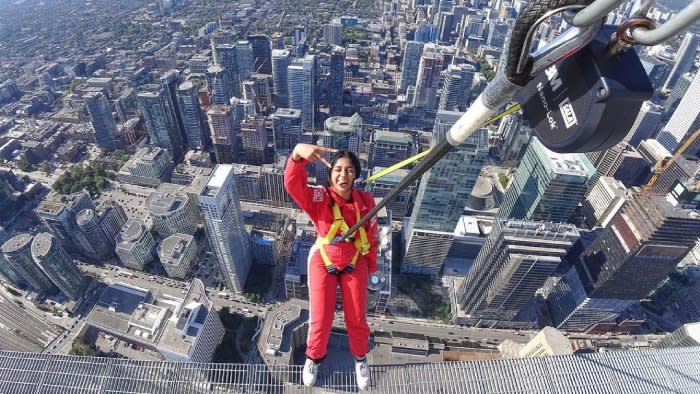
(344, 153)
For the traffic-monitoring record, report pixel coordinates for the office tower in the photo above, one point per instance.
(515, 261)
(685, 119)
(497, 33)
(446, 22)
(299, 35)
(198, 64)
(160, 119)
(340, 130)
(646, 123)
(334, 92)
(226, 56)
(192, 117)
(244, 54)
(456, 90)
(149, 166)
(410, 64)
(103, 124)
(216, 85)
(111, 222)
(604, 200)
(548, 342)
(622, 162)
(177, 253)
(224, 226)
(246, 181)
(685, 57)
(257, 89)
(547, 186)
(262, 53)
(89, 224)
(428, 78)
(222, 132)
(657, 70)
(426, 32)
(17, 252)
(685, 336)
(390, 147)
(675, 96)
(48, 254)
(302, 89)
(286, 124)
(332, 34)
(644, 241)
(381, 187)
(172, 212)
(442, 194)
(280, 62)
(272, 184)
(254, 140)
(135, 245)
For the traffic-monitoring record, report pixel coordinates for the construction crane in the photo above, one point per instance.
(662, 165)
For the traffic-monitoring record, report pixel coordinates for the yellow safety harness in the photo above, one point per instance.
(362, 244)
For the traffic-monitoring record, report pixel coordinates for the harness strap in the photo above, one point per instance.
(361, 244)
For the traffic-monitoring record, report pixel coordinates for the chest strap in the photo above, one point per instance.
(361, 244)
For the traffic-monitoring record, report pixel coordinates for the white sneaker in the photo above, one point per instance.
(310, 373)
(362, 374)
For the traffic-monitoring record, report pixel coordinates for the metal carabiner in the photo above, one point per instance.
(563, 46)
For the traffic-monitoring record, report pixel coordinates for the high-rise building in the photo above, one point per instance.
(645, 241)
(217, 85)
(111, 222)
(135, 245)
(515, 261)
(222, 132)
(172, 211)
(177, 253)
(286, 124)
(442, 194)
(497, 33)
(224, 227)
(685, 119)
(547, 186)
(160, 118)
(684, 59)
(646, 123)
(675, 96)
(226, 56)
(456, 90)
(89, 223)
(192, 117)
(262, 53)
(622, 162)
(58, 214)
(246, 180)
(244, 54)
(254, 140)
(103, 124)
(149, 166)
(332, 34)
(301, 75)
(280, 62)
(685, 336)
(428, 79)
(272, 185)
(340, 130)
(685, 169)
(657, 70)
(603, 201)
(48, 254)
(17, 251)
(257, 90)
(336, 77)
(390, 147)
(410, 64)
(381, 187)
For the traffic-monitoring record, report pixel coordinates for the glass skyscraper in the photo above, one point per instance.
(547, 185)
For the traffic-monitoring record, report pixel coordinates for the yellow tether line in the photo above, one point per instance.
(389, 170)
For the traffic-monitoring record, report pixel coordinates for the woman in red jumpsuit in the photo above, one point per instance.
(347, 264)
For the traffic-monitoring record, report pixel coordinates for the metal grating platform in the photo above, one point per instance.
(674, 370)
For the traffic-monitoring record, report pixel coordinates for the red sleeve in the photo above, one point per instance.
(372, 228)
(295, 177)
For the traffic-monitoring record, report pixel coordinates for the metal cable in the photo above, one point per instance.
(594, 12)
(673, 26)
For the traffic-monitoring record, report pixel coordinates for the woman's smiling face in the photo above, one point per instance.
(343, 174)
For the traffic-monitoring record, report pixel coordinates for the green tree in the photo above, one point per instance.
(81, 348)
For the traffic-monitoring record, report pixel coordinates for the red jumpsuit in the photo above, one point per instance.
(317, 203)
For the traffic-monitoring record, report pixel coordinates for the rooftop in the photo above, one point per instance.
(132, 231)
(670, 370)
(42, 244)
(16, 243)
(217, 178)
(163, 202)
(85, 216)
(173, 248)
